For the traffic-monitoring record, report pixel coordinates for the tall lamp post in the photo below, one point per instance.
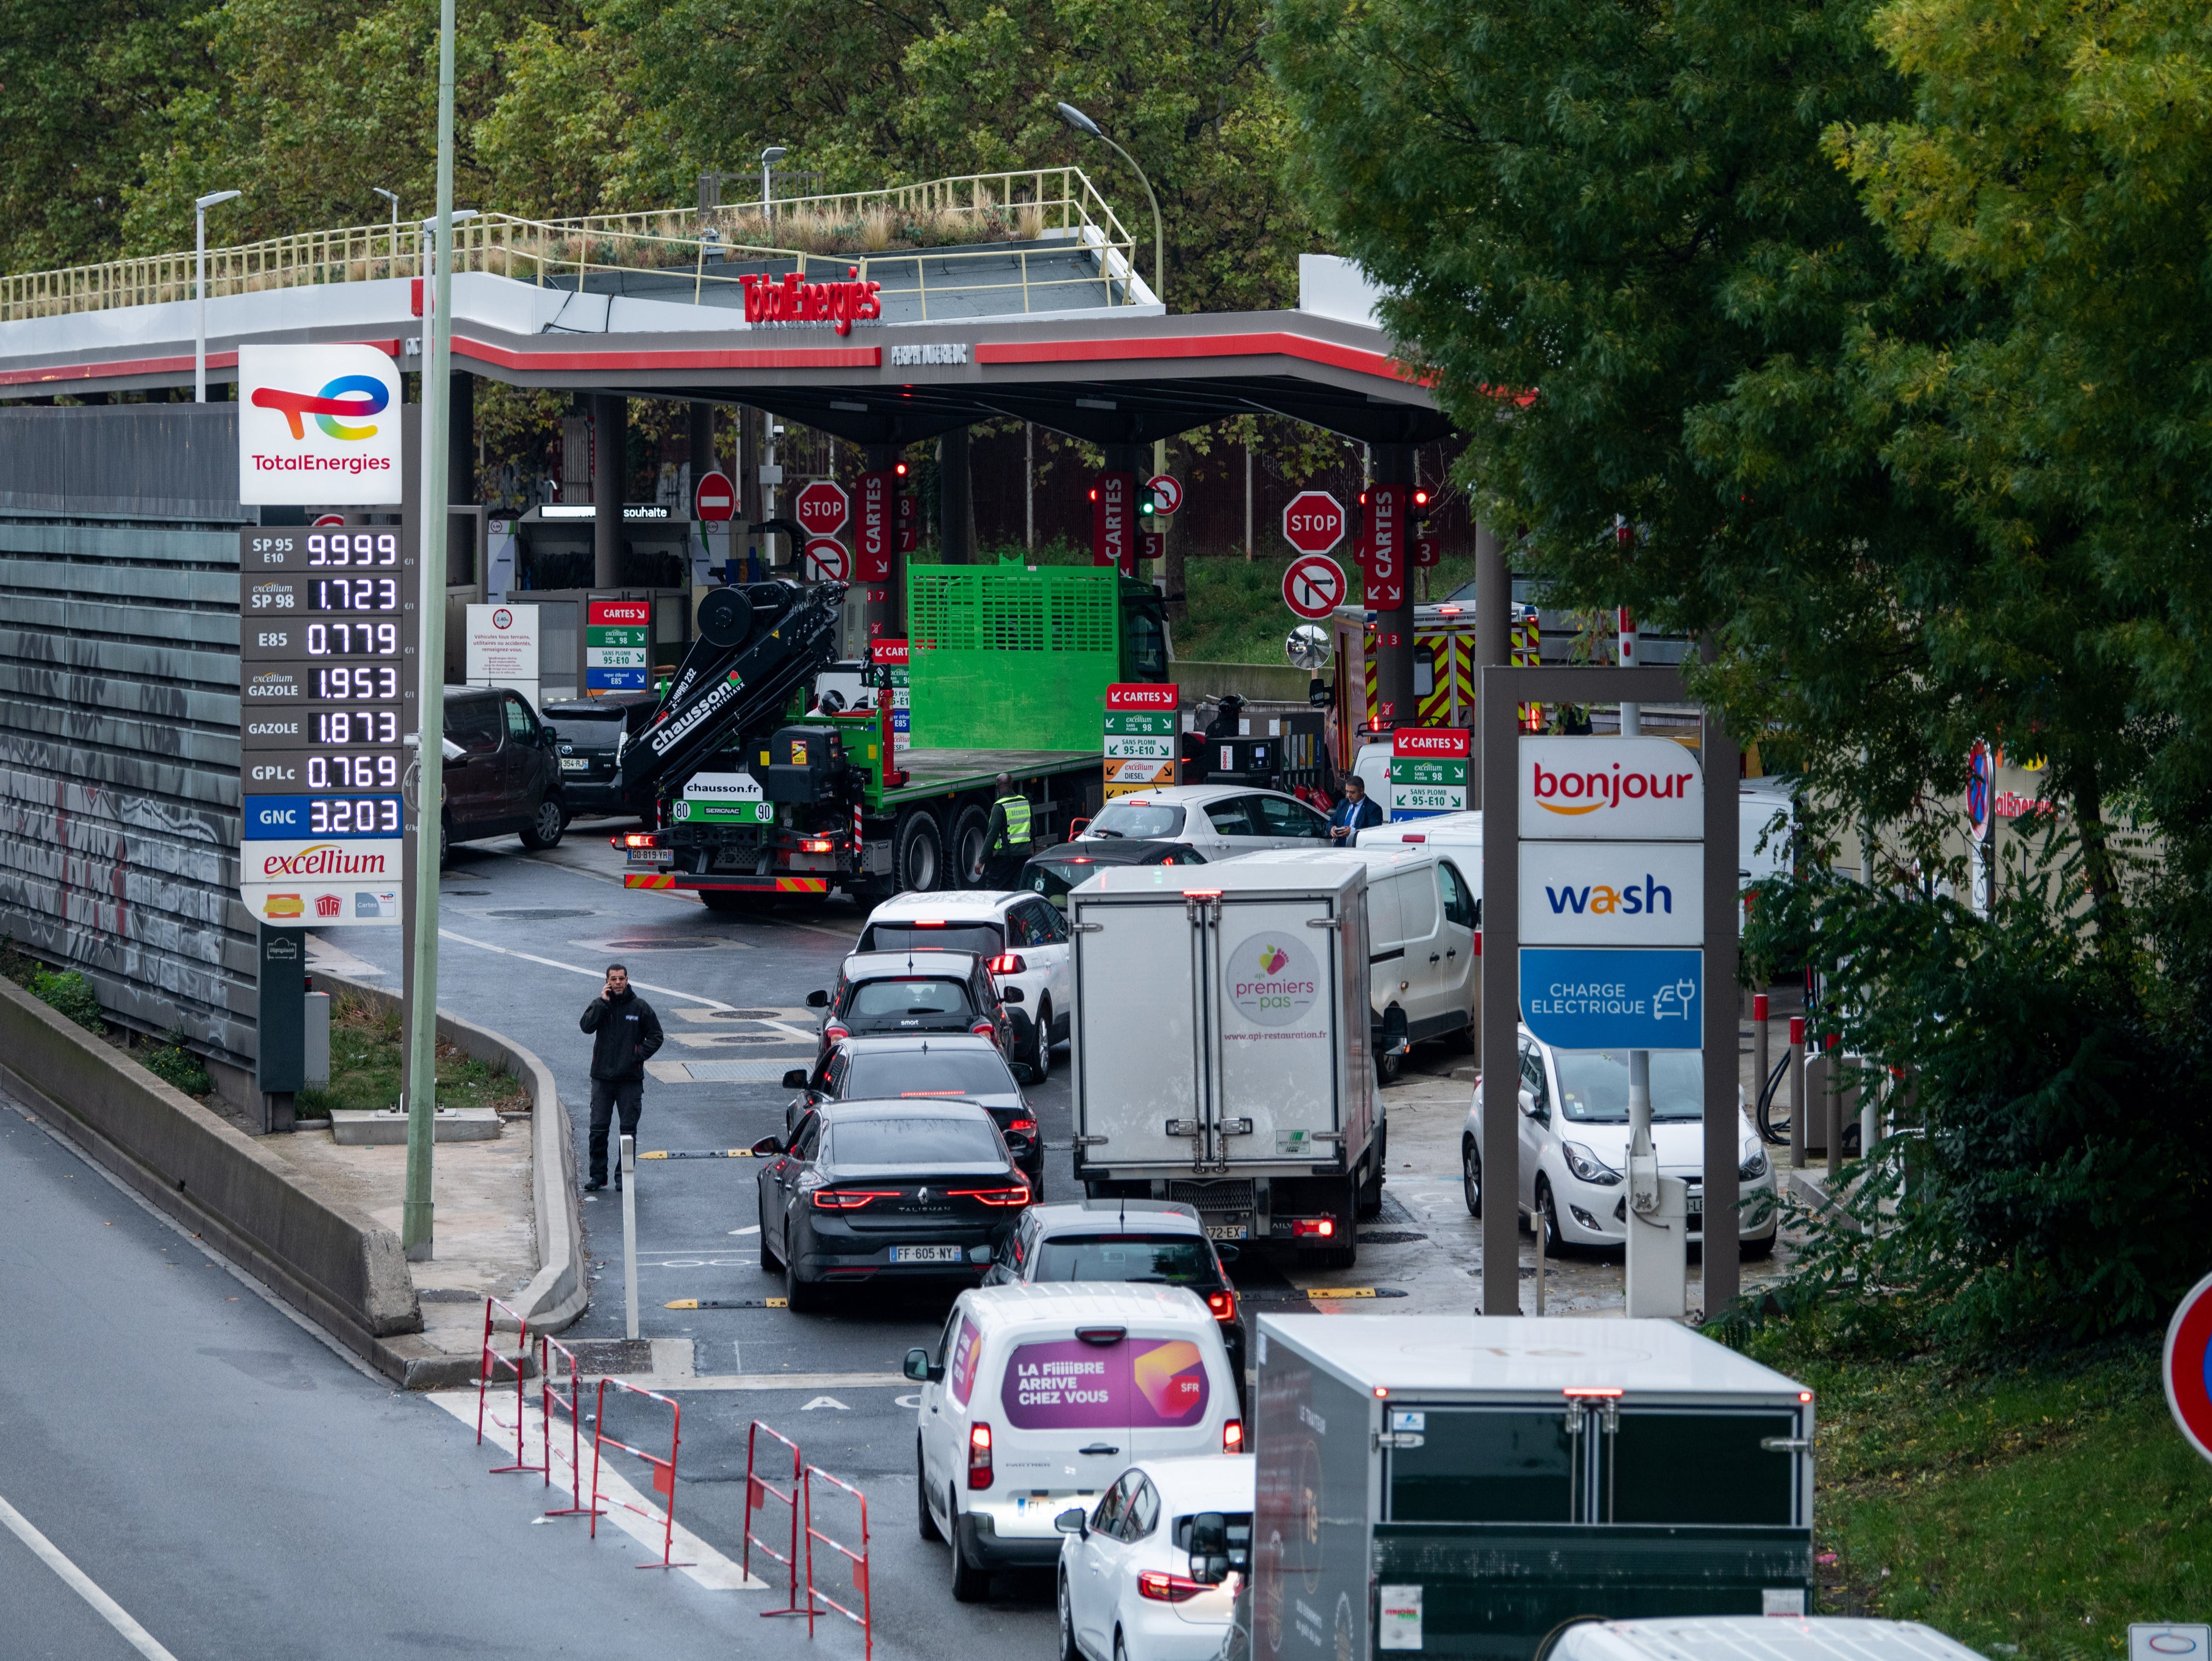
(1084, 125)
(392, 197)
(200, 206)
(769, 157)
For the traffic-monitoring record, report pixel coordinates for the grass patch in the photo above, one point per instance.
(2036, 1509)
(366, 1042)
(69, 993)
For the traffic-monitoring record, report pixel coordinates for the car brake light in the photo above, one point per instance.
(849, 1199)
(1164, 1588)
(992, 1196)
(1222, 1304)
(1416, 835)
(979, 1455)
(836, 1032)
(1201, 893)
(1232, 1436)
(1004, 963)
(1026, 1127)
(1478, 942)
(984, 1030)
(929, 922)
(1324, 1227)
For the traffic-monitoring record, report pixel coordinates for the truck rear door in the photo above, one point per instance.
(1272, 1004)
(1139, 1063)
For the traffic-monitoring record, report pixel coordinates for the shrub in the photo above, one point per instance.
(175, 1065)
(70, 994)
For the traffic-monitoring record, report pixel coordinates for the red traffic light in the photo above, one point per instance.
(1363, 498)
(899, 468)
(1094, 493)
(1421, 498)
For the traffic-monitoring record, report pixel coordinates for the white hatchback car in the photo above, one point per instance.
(1149, 1574)
(1006, 927)
(1218, 821)
(1574, 1146)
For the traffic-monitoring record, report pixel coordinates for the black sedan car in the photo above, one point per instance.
(886, 1191)
(587, 732)
(909, 992)
(1054, 872)
(952, 1067)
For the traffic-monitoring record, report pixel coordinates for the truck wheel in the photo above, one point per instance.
(917, 854)
(969, 826)
(1371, 1190)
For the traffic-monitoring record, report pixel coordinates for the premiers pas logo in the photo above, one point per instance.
(1273, 979)
(313, 429)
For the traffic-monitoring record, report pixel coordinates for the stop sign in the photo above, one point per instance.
(822, 508)
(714, 498)
(1314, 522)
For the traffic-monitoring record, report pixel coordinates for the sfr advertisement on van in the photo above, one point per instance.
(1070, 1384)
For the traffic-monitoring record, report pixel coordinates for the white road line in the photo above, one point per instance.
(82, 1583)
(578, 969)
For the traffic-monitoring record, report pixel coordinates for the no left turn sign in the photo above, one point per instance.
(1313, 586)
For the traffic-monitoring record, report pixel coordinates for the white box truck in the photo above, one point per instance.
(1461, 1487)
(1223, 1047)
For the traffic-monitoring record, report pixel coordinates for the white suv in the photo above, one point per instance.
(1008, 927)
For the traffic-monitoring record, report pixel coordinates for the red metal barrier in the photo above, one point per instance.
(759, 1491)
(664, 1471)
(550, 1402)
(863, 1617)
(489, 1360)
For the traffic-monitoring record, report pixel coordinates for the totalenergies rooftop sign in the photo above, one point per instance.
(1633, 789)
(795, 300)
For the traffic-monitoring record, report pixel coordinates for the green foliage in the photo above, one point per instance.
(69, 993)
(366, 1042)
(175, 1065)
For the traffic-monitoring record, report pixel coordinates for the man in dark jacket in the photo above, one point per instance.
(624, 1034)
(1353, 814)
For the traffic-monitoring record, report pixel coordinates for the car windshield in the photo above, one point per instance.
(1175, 1260)
(937, 1072)
(1140, 821)
(914, 1141)
(1593, 1085)
(1054, 879)
(592, 727)
(908, 999)
(984, 938)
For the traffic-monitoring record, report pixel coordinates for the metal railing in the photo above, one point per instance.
(938, 221)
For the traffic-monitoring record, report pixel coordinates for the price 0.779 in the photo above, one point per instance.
(345, 640)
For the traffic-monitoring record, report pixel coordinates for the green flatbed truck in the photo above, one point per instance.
(1007, 670)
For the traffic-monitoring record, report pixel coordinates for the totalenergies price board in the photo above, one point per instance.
(329, 678)
(1143, 733)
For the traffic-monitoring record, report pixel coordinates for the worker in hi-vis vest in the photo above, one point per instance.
(1006, 839)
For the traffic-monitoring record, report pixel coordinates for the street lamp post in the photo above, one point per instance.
(392, 197)
(1084, 125)
(199, 286)
(769, 157)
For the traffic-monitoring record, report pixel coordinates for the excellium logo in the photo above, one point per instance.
(313, 429)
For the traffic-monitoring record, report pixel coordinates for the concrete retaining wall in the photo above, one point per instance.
(341, 1270)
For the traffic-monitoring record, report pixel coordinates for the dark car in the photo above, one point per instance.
(506, 776)
(1054, 871)
(886, 1191)
(588, 731)
(908, 993)
(1147, 1242)
(952, 1067)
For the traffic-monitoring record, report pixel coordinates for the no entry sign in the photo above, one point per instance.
(2189, 1366)
(1313, 523)
(826, 560)
(714, 498)
(1167, 492)
(1313, 586)
(822, 508)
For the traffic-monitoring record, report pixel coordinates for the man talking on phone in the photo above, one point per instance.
(624, 1034)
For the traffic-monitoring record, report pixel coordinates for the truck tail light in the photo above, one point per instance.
(1222, 1304)
(979, 1455)
(636, 839)
(815, 844)
(1321, 1227)
(1232, 1436)
(1164, 1588)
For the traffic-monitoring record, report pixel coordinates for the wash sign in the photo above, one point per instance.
(1613, 892)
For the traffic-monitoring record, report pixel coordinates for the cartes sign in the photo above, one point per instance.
(1428, 770)
(1314, 585)
(875, 535)
(1382, 547)
(1313, 523)
(1113, 521)
(317, 425)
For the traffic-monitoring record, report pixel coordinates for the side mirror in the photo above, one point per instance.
(1227, 1253)
(1209, 1548)
(795, 1080)
(767, 1147)
(818, 999)
(1011, 995)
(1528, 1104)
(919, 1369)
(1072, 1521)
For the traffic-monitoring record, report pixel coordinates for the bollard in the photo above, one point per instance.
(1831, 1101)
(629, 1168)
(1541, 1232)
(1761, 1060)
(1796, 1092)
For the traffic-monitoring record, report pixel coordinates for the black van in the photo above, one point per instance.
(508, 775)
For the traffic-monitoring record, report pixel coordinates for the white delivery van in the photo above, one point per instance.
(1463, 830)
(1424, 944)
(1223, 1046)
(1038, 1395)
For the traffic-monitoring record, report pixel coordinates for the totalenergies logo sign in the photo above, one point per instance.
(795, 300)
(313, 429)
(1610, 789)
